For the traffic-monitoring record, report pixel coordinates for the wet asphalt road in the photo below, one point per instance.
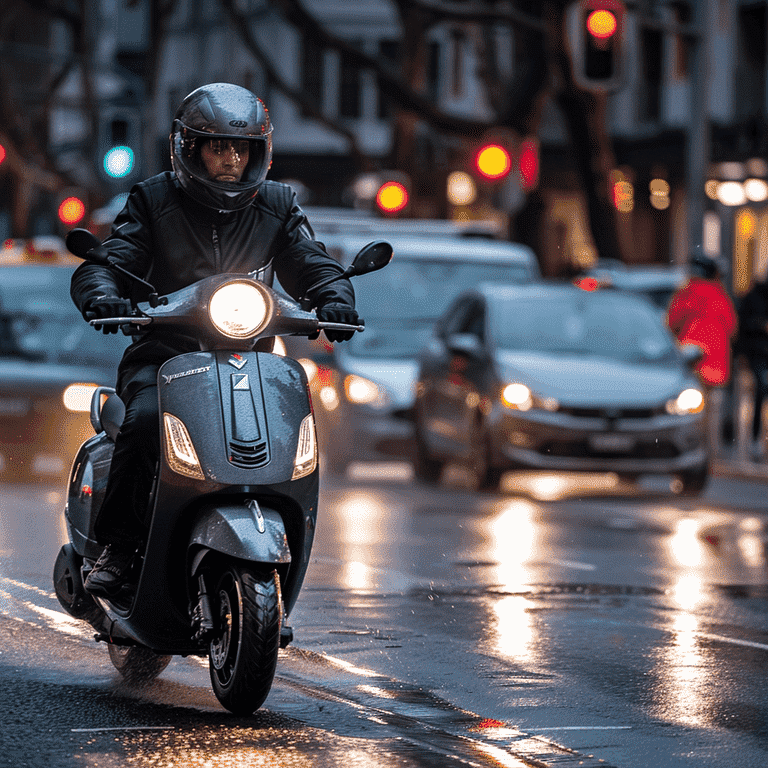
(437, 627)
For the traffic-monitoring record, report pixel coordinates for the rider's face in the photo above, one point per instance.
(225, 159)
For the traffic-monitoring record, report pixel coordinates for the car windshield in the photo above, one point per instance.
(597, 324)
(38, 321)
(401, 303)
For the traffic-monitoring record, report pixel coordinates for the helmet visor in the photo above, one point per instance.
(229, 163)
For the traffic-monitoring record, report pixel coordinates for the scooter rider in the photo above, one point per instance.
(215, 213)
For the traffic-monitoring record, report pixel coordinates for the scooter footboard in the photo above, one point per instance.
(245, 531)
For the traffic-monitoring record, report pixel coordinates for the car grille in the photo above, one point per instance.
(248, 455)
(613, 413)
(581, 449)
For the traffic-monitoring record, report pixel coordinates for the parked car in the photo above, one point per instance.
(657, 282)
(551, 377)
(364, 389)
(50, 363)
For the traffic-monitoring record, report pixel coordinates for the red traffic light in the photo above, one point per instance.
(602, 24)
(493, 162)
(528, 164)
(392, 197)
(2, 153)
(597, 44)
(71, 210)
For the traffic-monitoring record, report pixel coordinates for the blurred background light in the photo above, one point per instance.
(731, 193)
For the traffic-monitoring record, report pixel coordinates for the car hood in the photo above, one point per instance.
(397, 376)
(30, 377)
(593, 381)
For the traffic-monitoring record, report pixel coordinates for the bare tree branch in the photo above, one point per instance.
(392, 84)
(300, 97)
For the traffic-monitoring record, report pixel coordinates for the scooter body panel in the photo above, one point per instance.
(244, 532)
(234, 408)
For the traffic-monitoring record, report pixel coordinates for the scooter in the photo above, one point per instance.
(234, 503)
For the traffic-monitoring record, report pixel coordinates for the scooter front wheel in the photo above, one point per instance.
(243, 655)
(136, 664)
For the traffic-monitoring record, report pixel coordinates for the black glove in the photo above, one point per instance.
(338, 313)
(107, 306)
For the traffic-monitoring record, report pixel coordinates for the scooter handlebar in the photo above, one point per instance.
(322, 326)
(121, 321)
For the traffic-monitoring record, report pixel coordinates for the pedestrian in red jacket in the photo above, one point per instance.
(702, 313)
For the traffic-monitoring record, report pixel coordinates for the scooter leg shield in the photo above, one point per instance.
(243, 531)
(68, 585)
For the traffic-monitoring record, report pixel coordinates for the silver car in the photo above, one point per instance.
(551, 377)
(363, 394)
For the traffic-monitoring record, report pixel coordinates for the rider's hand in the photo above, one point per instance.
(107, 306)
(338, 313)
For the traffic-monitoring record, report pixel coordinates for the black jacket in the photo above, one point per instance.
(753, 318)
(165, 237)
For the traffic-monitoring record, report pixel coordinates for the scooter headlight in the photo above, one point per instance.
(180, 452)
(306, 451)
(239, 309)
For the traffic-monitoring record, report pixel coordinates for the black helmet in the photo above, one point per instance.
(703, 266)
(228, 112)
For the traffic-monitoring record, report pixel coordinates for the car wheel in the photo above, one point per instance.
(694, 481)
(487, 477)
(426, 469)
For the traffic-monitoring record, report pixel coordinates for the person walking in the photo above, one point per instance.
(753, 344)
(702, 313)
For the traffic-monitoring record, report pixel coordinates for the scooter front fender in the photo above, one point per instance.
(245, 531)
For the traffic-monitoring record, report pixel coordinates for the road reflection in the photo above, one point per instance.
(512, 545)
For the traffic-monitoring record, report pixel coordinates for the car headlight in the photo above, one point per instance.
(77, 397)
(361, 391)
(239, 309)
(689, 401)
(518, 397)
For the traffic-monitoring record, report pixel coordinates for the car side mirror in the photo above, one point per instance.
(465, 344)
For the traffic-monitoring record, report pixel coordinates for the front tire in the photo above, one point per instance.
(426, 469)
(243, 655)
(137, 665)
(694, 481)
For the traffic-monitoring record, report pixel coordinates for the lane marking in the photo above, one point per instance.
(584, 728)
(732, 640)
(125, 728)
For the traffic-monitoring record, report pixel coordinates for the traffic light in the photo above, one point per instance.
(2, 154)
(597, 50)
(528, 164)
(72, 208)
(392, 197)
(492, 162)
(120, 133)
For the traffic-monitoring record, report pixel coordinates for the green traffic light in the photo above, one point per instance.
(118, 162)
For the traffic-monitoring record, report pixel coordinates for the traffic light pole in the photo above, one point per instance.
(698, 144)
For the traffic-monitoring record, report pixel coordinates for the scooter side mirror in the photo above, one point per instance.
(85, 245)
(371, 257)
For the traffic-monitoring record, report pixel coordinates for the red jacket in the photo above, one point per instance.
(702, 313)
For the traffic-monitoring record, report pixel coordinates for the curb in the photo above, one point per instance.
(739, 469)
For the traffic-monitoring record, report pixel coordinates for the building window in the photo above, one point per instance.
(349, 89)
(751, 61)
(389, 52)
(651, 46)
(312, 72)
(433, 70)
